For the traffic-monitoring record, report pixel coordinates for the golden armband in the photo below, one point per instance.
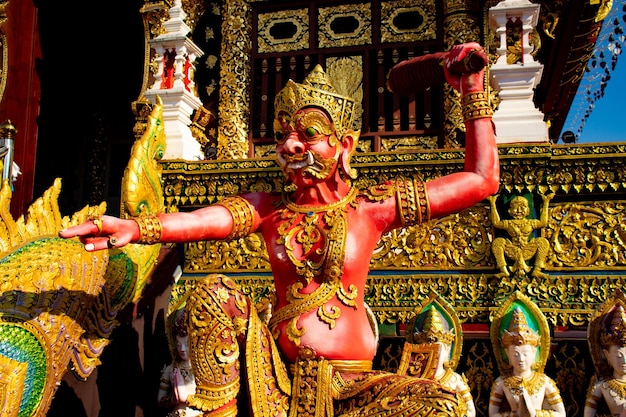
(554, 398)
(243, 216)
(476, 106)
(591, 403)
(496, 399)
(412, 201)
(149, 229)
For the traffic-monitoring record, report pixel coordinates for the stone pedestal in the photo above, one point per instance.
(517, 119)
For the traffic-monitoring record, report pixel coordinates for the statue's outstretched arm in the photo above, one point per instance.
(212, 222)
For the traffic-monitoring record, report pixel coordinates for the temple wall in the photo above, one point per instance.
(453, 255)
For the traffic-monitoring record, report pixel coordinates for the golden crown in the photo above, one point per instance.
(317, 90)
(433, 330)
(179, 326)
(519, 333)
(615, 333)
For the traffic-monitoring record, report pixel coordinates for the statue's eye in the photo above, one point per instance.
(279, 135)
(310, 132)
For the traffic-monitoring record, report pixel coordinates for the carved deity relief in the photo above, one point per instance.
(520, 246)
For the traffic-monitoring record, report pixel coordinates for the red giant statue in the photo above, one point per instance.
(314, 357)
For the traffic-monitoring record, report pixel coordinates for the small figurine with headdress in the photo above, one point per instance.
(433, 348)
(606, 335)
(177, 379)
(519, 333)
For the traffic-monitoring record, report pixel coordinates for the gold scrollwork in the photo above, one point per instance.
(588, 235)
(232, 138)
(456, 241)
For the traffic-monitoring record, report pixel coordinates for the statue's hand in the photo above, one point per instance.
(527, 409)
(105, 232)
(463, 82)
(547, 197)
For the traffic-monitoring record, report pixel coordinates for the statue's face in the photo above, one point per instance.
(182, 347)
(616, 356)
(307, 148)
(521, 358)
(519, 208)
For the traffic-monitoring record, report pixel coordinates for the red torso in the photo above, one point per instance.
(350, 335)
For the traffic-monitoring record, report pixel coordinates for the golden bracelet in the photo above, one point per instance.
(476, 106)
(243, 216)
(475, 96)
(150, 229)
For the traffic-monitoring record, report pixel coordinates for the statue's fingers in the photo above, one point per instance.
(95, 244)
(84, 229)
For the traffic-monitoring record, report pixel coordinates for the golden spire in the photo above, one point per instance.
(433, 330)
(519, 333)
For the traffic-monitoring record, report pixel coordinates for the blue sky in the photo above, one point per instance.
(604, 123)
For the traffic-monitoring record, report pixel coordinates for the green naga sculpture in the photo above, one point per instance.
(58, 303)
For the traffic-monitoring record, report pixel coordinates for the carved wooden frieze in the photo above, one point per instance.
(451, 255)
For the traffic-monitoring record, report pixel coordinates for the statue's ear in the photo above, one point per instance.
(605, 353)
(348, 147)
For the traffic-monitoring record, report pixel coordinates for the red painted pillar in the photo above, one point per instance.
(19, 102)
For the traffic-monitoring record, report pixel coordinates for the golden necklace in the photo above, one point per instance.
(322, 246)
(617, 387)
(532, 384)
(342, 202)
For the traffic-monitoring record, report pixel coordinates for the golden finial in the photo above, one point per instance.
(433, 330)
(317, 90)
(519, 333)
(8, 130)
(615, 333)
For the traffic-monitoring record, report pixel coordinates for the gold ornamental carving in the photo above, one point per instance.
(590, 235)
(294, 23)
(565, 299)
(232, 136)
(460, 26)
(345, 25)
(347, 75)
(400, 144)
(423, 17)
(194, 10)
